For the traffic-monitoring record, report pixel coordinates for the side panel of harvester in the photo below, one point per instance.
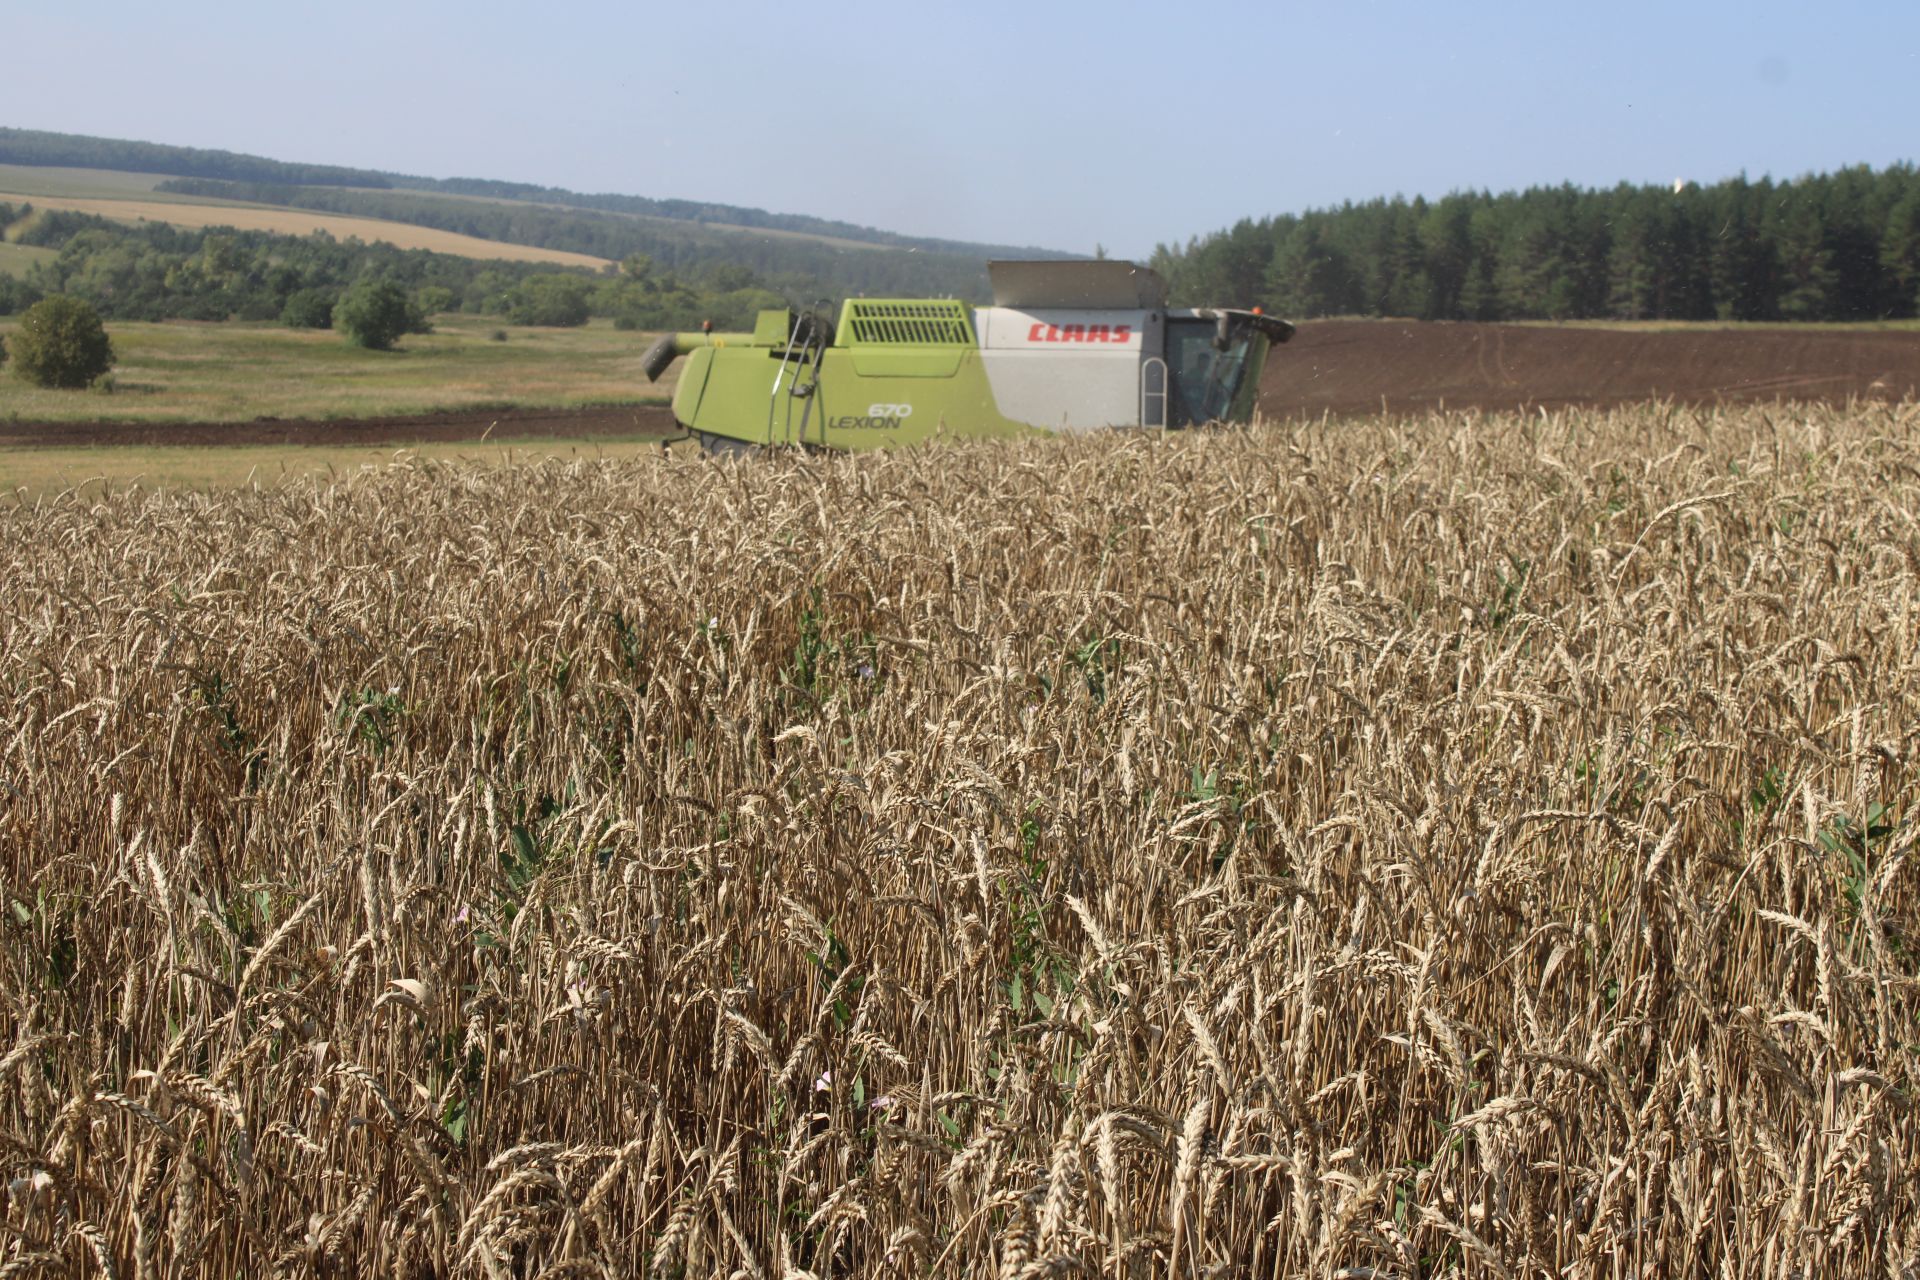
(885, 380)
(915, 373)
(896, 373)
(1064, 370)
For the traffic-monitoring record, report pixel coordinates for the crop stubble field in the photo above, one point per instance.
(1477, 845)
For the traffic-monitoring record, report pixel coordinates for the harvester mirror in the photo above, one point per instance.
(1223, 332)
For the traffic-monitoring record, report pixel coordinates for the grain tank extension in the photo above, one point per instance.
(1066, 346)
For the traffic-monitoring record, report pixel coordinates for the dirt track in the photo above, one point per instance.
(501, 424)
(1356, 366)
(1332, 366)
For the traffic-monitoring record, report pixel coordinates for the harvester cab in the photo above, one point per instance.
(1066, 346)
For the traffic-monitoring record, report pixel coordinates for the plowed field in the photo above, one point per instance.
(1362, 366)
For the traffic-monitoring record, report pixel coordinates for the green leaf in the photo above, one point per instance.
(453, 1119)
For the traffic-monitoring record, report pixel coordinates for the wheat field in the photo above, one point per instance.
(1477, 846)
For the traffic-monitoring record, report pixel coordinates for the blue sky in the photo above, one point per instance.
(1063, 125)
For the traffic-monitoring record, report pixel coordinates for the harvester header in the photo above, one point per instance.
(1066, 346)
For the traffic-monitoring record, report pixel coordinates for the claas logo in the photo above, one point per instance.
(1079, 332)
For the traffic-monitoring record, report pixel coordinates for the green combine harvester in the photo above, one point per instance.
(1066, 346)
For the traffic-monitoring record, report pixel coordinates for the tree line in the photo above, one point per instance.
(1839, 246)
(154, 271)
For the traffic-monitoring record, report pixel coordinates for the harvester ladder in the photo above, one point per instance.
(806, 347)
(1153, 393)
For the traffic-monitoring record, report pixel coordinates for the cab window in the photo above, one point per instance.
(1204, 378)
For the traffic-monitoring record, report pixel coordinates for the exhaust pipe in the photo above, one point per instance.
(662, 353)
(659, 356)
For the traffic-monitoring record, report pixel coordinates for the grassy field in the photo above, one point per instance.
(35, 181)
(16, 258)
(1477, 846)
(186, 372)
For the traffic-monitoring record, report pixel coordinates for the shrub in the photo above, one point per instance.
(310, 308)
(552, 299)
(375, 314)
(61, 343)
(432, 299)
(16, 295)
(3, 352)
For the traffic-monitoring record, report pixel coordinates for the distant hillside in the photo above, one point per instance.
(77, 151)
(808, 265)
(730, 215)
(209, 269)
(706, 233)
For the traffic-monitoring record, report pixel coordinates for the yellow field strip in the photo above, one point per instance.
(301, 222)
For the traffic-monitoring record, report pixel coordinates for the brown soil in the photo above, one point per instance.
(626, 421)
(1331, 366)
(1359, 366)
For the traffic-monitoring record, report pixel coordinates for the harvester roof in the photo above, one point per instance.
(1101, 285)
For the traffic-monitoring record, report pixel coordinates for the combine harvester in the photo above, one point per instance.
(1066, 346)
